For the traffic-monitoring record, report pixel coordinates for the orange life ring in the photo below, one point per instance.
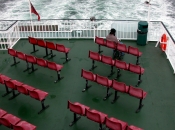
(163, 42)
(164, 38)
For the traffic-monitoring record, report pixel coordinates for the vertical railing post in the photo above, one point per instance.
(94, 30)
(17, 29)
(167, 47)
(9, 40)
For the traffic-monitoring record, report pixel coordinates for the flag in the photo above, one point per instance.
(33, 10)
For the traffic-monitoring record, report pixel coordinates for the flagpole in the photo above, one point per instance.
(149, 11)
(31, 17)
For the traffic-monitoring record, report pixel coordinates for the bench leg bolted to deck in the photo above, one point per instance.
(15, 61)
(137, 62)
(75, 119)
(14, 95)
(139, 81)
(118, 74)
(87, 87)
(34, 50)
(140, 106)
(46, 53)
(99, 49)
(52, 55)
(112, 72)
(115, 97)
(107, 94)
(59, 77)
(28, 68)
(7, 91)
(33, 69)
(67, 59)
(93, 65)
(43, 106)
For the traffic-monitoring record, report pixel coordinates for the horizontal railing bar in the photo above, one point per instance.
(78, 19)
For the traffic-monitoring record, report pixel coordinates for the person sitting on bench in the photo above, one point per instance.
(111, 37)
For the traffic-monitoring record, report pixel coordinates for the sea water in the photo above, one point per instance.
(159, 10)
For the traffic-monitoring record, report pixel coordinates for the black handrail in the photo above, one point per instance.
(10, 26)
(168, 32)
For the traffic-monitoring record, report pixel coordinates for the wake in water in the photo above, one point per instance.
(160, 10)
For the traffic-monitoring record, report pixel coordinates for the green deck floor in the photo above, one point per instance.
(158, 112)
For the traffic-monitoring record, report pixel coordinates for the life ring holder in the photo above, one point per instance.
(163, 42)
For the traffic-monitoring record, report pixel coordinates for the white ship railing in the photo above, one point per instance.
(170, 49)
(69, 29)
(12, 31)
(9, 34)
